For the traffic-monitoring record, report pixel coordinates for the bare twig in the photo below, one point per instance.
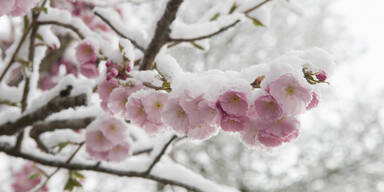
(158, 157)
(225, 28)
(118, 32)
(150, 85)
(161, 36)
(68, 26)
(55, 105)
(256, 7)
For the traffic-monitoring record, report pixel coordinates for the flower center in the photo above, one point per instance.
(180, 113)
(100, 136)
(290, 90)
(158, 105)
(235, 98)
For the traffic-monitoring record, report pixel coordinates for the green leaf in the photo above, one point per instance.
(26, 22)
(233, 8)
(216, 16)
(257, 22)
(63, 145)
(198, 46)
(34, 176)
(78, 175)
(71, 184)
(38, 36)
(45, 10)
(121, 48)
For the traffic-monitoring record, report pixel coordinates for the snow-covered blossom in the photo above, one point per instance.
(16, 7)
(27, 178)
(89, 70)
(175, 116)
(106, 139)
(106, 87)
(267, 108)
(250, 134)
(6, 6)
(274, 133)
(118, 98)
(292, 96)
(85, 53)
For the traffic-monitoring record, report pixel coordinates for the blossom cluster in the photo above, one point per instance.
(266, 117)
(28, 177)
(16, 8)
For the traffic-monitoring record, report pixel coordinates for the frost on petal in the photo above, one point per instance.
(89, 70)
(290, 94)
(85, 53)
(233, 123)
(154, 103)
(199, 110)
(276, 132)
(96, 140)
(97, 155)
(119, 152)
(6, 6)
(234, 103)
(106, 87)
(314, 102)
(202, 131)
(21, 7)
(113, 129)
(175, 116)
(267, 108)
(250, 132)
(118, 99)
(135, 111)
(22, 178)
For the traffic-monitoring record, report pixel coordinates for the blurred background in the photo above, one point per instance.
(341, 145)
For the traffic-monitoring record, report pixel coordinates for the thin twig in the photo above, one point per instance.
(118, 32)
(150, 85)
(176, 40)
(158, 157)
(256, 7)
(68, 26)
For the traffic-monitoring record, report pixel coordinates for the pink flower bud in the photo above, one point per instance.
(322, 76)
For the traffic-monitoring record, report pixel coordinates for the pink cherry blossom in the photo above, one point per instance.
(6, 6)
(135, 111)
(89, 70)
(118, 99)
(234, 103)
(233, 123)
(175, 116)
(202, 131)
(21, 7)
(85, 53)
(321, 76)
(113, 129)
(154, 103)
(314, 102)
(119, 152)
(199, 110)
(274, 133)
(250, 134)
(292, 96)
(97, 155)
(96, 139)
(106, 87)
(23, 181)
(267, 108)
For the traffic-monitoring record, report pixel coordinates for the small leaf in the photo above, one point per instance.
(216, 16)
(121, 48)
(233, 8)
(39, 36)
(257, 22)
(78, 175)
(26, 22)
(34, 176)
(71, 184)
(63, 145)
(198, 46)
(45, 10)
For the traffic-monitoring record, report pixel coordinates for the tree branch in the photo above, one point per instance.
(225, 28)
(118, 32)
(6, 148)
(55, 105)
(74, 124)
(256, 7)
(158, 157)
(162, 32)
(68, 26)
